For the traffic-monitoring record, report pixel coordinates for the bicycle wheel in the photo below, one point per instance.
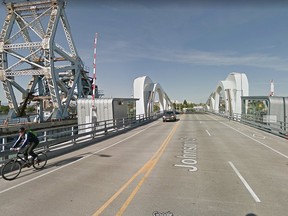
(11, 170)
(41, 161)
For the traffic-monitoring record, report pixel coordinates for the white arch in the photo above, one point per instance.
(232, 88)
(145, 90)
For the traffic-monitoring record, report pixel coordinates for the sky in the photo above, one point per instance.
(185, 46)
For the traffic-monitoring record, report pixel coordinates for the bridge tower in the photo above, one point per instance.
(145, 90)
(36, 48)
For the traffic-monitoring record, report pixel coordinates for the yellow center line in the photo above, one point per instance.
(147, 168)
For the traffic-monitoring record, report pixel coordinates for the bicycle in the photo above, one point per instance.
(13, 167)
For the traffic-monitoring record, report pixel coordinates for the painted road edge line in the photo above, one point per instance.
(253, 194)
(66, 165)
(267, 146)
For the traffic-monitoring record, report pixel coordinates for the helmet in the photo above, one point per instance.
(21, 129)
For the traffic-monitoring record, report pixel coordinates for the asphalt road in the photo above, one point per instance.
(201, 165)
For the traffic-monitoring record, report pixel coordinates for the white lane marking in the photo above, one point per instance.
(263, 137)
(208, 132)
(66, 165)
(253, 194)
(272, 149)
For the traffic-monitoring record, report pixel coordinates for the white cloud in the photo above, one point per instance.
(220, 59)
(226, 58)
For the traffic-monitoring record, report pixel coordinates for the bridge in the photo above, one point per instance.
(202, 164)
(30, 47)
(146, 91)
(227, 96)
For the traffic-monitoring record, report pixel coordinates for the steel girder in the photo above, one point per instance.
(29, 46)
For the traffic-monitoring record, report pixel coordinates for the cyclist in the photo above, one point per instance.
(29, 141)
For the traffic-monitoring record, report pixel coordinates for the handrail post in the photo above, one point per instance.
(94, 128)
(46, 147)
(105, 126)
(73, 140)
(4, 141)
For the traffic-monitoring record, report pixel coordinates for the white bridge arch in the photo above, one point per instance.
(230, 91)
(145, 90)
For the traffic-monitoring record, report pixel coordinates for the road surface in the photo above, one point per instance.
(201, 165)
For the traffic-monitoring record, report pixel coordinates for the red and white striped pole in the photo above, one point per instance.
(94, 71)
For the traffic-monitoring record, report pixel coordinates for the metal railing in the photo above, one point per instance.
(65, 138)
(278, 128)
(14, 121)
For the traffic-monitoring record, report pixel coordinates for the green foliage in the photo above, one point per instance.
(174, 105)
(156, 108)
(185, 104)
(4, 109)
(30, 109)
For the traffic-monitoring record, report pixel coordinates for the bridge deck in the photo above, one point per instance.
(199, 165)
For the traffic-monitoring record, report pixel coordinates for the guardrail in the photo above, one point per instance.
(273, 126)
(4, 121)
(65, 138)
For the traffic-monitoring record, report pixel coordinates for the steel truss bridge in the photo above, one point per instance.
(36, 46)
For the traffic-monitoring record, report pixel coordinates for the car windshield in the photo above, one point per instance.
(169, 112)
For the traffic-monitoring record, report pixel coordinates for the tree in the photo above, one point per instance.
(30, 109)
(156, 108)
(174, 105)
(4, 109)
(185, 103)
